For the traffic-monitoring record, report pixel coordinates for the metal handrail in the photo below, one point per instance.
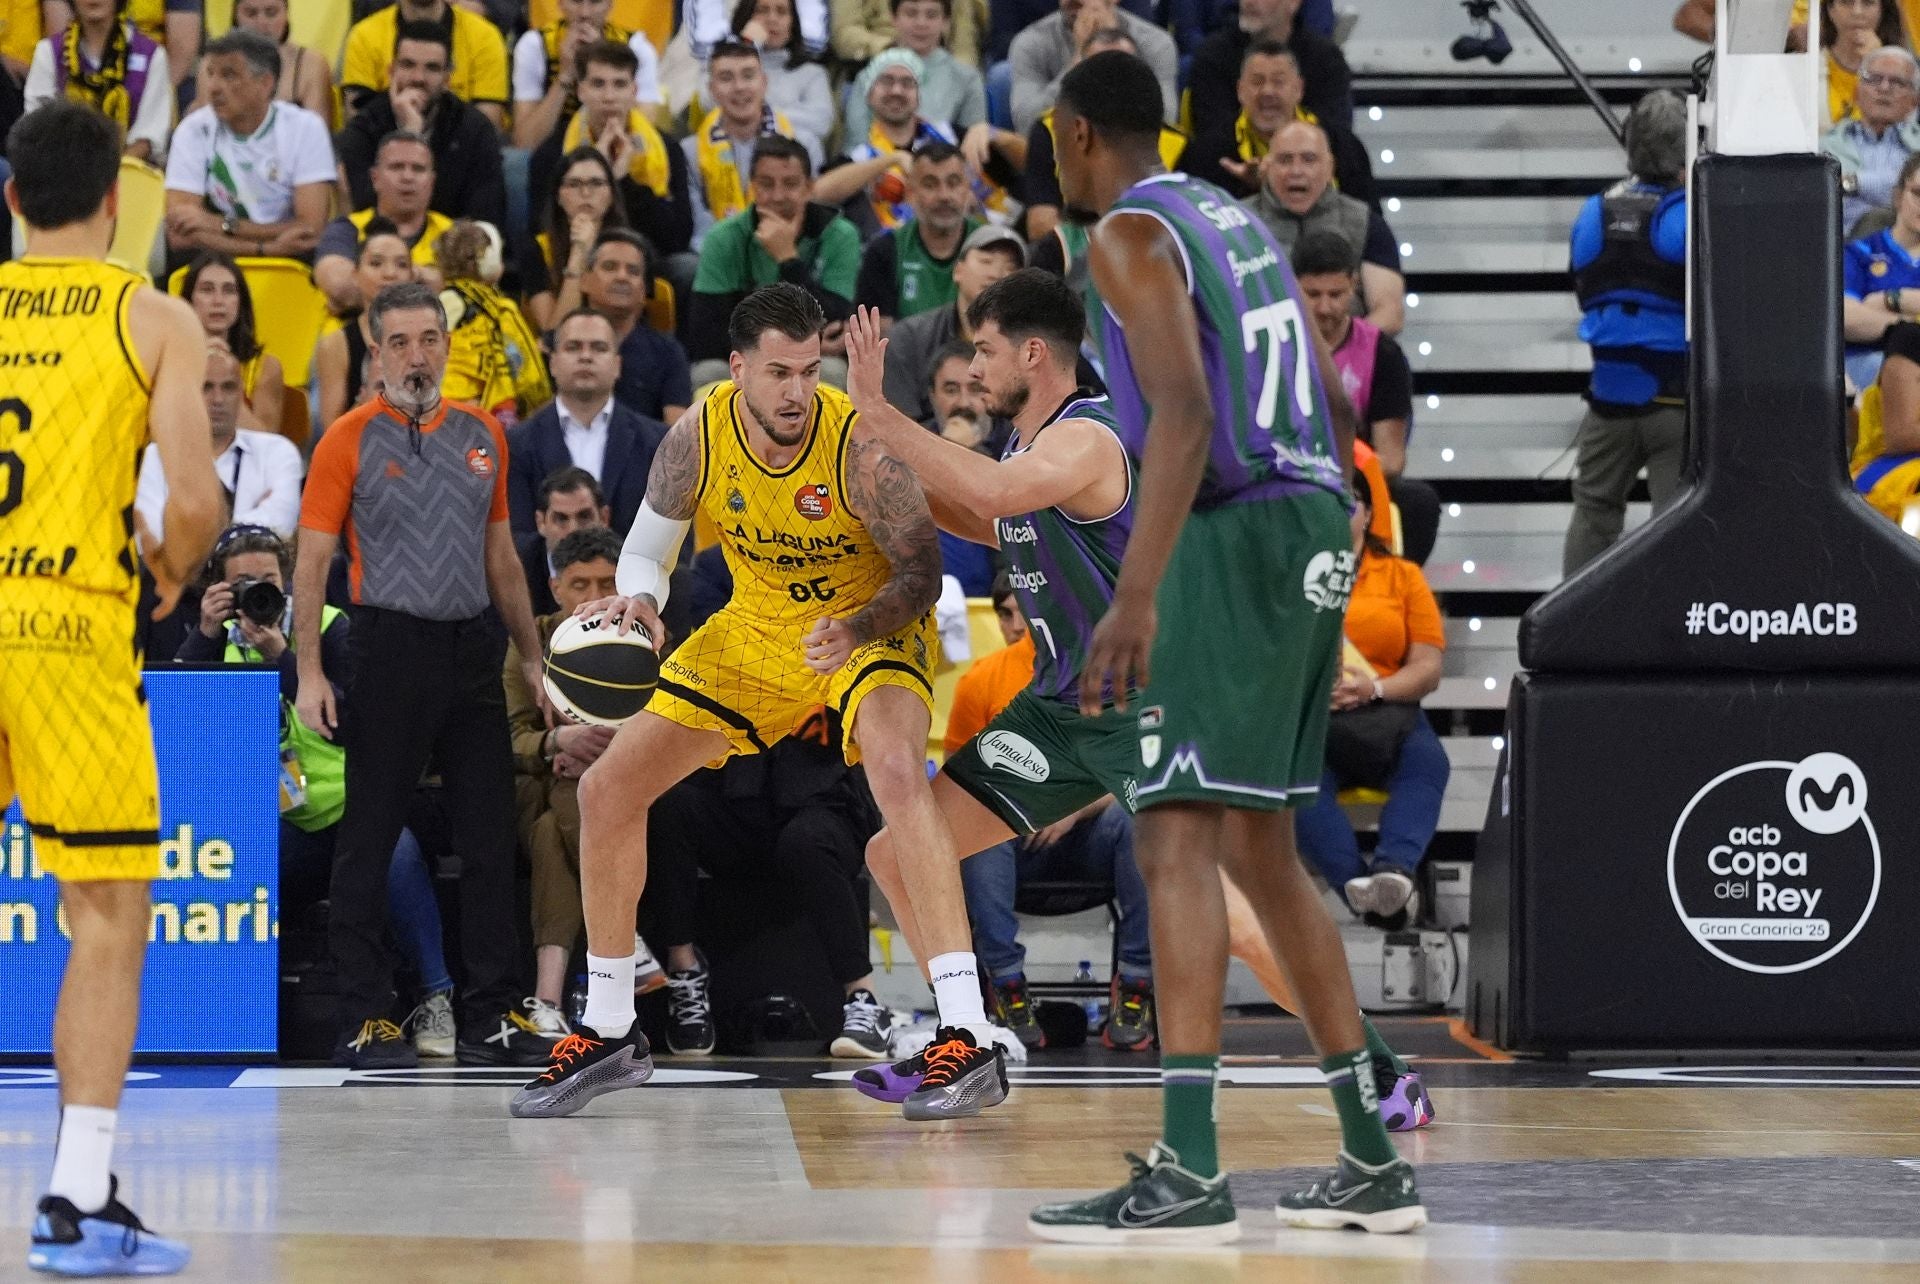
(1524, 10)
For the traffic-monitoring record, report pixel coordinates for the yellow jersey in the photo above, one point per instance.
(73, 421)
(796, 550)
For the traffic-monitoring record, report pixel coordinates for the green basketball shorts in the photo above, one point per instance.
(1039, 760)
(1251, 608)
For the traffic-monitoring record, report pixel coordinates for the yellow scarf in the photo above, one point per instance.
(648, 164)
(714, 148)
(1172, 142)
(1251, 145)
(106, 88)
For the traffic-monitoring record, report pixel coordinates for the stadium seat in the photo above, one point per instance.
(143, 207)
(320, 25)
(663, 307)
(289, 314)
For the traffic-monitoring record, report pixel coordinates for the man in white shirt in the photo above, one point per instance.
(247, 175)
(260, 471)
(584, 427)
(545, 73)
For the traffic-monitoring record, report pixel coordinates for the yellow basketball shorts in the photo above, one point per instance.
(75, 741)
(749, 680)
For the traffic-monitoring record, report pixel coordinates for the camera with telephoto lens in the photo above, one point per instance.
(261, 601)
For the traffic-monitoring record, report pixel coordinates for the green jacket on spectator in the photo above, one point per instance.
(733, 264)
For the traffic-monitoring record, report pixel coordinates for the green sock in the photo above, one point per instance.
(1362, 1134)
(1378, 1049)
(1186, 1100)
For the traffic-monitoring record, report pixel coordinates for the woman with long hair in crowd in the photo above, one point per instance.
(583, 204)
(1849, 31)
(103, 59)
(220, 298)
(796, 82)
(342, 361)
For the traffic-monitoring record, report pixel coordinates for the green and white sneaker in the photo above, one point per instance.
(1162, 1203)
(1380, 1200)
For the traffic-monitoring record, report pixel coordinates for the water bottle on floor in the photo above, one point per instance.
(1084, 976)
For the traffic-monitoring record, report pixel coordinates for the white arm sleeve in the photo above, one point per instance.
(647, 558)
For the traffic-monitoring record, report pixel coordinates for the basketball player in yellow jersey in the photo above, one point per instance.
(93, 365)
(836, 566)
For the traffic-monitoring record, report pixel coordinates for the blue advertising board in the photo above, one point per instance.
(212, 976)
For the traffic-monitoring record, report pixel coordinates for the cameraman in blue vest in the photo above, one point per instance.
(1630, 272)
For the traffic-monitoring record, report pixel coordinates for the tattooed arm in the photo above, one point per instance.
(885, 495)
(659, 528)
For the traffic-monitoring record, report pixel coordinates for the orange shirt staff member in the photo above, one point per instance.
(1395, 642)
(417, 488)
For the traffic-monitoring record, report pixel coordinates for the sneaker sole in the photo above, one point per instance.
(1145, 1041)
(564, 1098)
(962, 1099)
(435, 1048)
(649, 982)
(1423, 1113)
(892, 1096)
(1218, 1233)
(1390, 1221)
(853, 1049)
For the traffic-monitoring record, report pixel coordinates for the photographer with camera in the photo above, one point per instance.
(246, 617)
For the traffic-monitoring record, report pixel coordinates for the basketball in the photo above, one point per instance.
(598, 676)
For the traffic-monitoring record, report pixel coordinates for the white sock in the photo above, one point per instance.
(83, 1159)
(609, 995)
(956, 991)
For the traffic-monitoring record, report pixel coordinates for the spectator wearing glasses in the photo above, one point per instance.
(1874, 143)
(1850, 31)
(951, 88)
(651, 172)
(260, 471)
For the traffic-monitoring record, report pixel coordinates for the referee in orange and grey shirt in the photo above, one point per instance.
(417, 487)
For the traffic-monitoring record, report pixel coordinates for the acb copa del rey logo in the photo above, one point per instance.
(1775, 866)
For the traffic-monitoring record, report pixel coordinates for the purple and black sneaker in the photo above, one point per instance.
(1404, 1103)
(893, 1082)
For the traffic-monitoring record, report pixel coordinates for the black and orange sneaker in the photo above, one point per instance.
(1130, 1024)
(962, 1078)
(584, 1067)
(1016, 1011)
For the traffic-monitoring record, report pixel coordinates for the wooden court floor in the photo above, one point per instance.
(760, 1170)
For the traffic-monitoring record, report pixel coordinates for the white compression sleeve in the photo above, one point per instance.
(647, 558)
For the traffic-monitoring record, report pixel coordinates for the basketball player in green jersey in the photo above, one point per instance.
(1240, 545)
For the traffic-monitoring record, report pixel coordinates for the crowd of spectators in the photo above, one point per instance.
(1872, 84)
(586, 188)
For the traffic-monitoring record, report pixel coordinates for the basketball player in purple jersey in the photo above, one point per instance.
(1240, 544)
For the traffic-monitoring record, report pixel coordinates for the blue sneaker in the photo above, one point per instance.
(112, 1241)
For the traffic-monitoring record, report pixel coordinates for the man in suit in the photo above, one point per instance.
(570, 500)
(583, 427)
